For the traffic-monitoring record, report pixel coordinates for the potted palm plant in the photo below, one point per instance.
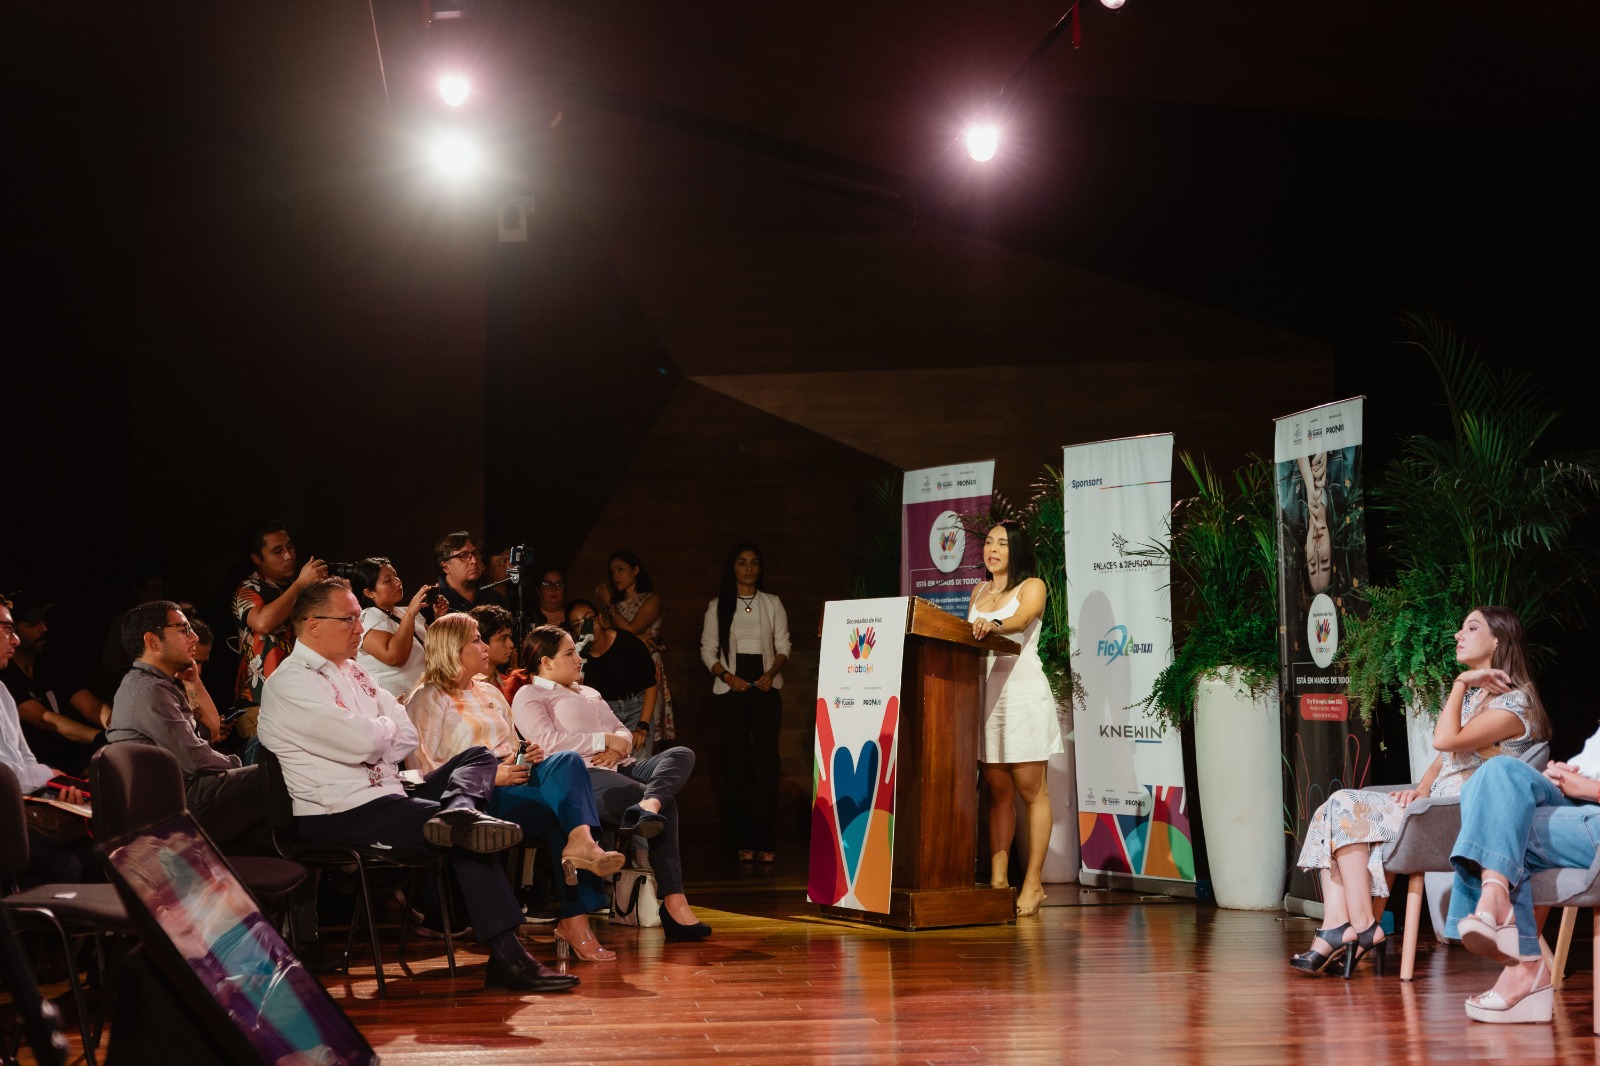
(1483, 515)
(1224, 675)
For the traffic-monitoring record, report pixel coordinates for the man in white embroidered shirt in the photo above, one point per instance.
(339, 739)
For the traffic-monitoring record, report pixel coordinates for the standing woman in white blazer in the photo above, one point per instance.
(744, 643)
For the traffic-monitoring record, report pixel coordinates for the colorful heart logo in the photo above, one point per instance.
(853, 783)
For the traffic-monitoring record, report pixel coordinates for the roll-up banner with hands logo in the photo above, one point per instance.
(938, 560)
(1322, 572)
(1133, 818)
(853, 782)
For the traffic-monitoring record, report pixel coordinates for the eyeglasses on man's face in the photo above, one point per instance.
(347, 619)
(473, 554)
(184, 628)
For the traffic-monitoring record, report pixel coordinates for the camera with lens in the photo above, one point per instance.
(514, 561)
(344, 570)
(582, 627)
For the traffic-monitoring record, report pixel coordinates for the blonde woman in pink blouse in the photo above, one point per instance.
(555, 711)
(548, 796)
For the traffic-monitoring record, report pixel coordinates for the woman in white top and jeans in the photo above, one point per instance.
(745, 643)
(392, 642)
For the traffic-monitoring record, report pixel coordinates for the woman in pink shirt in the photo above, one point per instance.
(546, 793)
(555, 711)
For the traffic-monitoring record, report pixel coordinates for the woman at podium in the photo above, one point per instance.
(1020, 730)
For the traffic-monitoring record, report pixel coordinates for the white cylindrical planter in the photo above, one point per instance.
(1238, 752)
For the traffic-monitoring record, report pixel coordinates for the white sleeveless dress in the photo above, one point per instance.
(1019, 711)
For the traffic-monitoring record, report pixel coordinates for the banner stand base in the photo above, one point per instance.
(936, 908)
(1133, 883)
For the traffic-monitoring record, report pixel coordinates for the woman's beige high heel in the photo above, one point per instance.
(603, 865)
(565, 948)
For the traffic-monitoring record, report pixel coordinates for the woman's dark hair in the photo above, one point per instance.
(642, 583)
(1511, 655)
(728, 597)
(542, 642)
(366, 577)
(1022, 565)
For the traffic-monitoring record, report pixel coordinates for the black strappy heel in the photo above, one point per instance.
(1364, 944)
(1314, 962)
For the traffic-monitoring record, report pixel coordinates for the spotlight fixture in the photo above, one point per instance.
(454, 89)
(1113, 4)
(982, 143)
(454, 155)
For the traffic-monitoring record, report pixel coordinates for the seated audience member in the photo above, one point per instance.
(262, 604)
(1516, 821)
(552, 597)
(453, 710)
(339, 738)
(49, 862)
(62, 721)
(1492, 709)
(152, 707)
(617, 665)
(639, 796)
(208, 720)
(461, 572)
(391, 647)
(496, 628)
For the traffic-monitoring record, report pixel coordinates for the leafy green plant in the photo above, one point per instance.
(1224, 551)
(875, 555)
(1485, 515)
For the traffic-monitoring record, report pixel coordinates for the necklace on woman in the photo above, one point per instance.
(747, 601)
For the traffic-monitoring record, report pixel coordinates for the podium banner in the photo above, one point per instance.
(938, 561)
(1322, 565)
(1132, 811)
(853, 779)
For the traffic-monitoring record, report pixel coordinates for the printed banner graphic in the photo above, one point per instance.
(938, 560)
(853, 781)
(1132, 810)
(1322, 566)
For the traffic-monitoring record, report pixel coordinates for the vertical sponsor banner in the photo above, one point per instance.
(938, 561)
(853, 780)
(1322, 566)
(1132, 811)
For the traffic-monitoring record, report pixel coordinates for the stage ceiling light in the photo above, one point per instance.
(1113, 4)
(982, 143)
(454, 155)
(454, 90)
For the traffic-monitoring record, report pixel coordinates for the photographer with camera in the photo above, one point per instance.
(262, 604)
(461, 568)
(393, 641)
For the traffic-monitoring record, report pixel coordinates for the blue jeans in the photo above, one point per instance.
(554, 801)
(628, 711)
(1515, 821)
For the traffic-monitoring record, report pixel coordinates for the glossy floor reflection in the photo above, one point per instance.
(1117, 981)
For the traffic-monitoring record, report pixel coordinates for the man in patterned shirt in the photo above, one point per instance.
(262, 604)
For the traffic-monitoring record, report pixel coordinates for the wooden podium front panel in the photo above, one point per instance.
(936, 808)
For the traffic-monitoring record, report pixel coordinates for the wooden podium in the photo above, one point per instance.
(940, 740)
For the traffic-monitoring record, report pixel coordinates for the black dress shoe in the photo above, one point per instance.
(465, 827)
(642, 823)
(529, 976)
(676, 930)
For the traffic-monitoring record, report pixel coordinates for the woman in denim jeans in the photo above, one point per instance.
(1515, 821)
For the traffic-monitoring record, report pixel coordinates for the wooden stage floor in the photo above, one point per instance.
(1107, 978)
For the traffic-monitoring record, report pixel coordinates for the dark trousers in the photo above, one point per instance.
(659, 777)
(555, 800)
(750, 722)
(467, 780)
(53, 863)
(231, 807)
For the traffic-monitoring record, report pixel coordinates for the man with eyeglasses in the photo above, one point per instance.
(340, 739)
(152, 707)
(262, 604)
(461, 569)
